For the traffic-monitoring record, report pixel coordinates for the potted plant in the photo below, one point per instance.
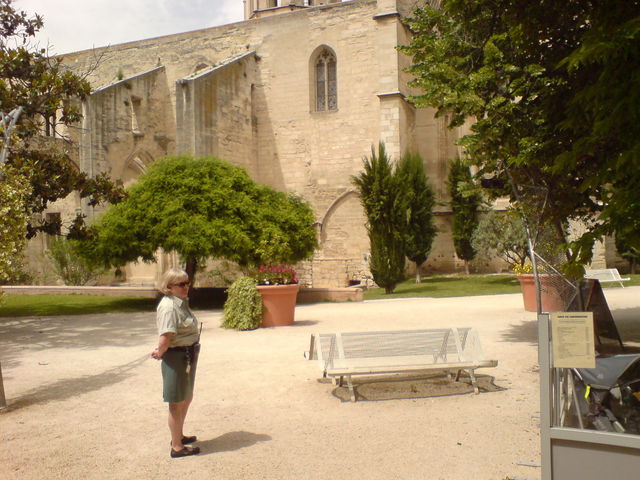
(278, 287)
(243, 308)
(550, 291)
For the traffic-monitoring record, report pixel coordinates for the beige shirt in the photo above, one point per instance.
(175, 316)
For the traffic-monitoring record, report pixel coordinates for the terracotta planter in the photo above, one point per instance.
(551, 298)
(279, 304)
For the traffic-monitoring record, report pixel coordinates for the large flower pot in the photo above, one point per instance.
(551, 298)
(279, 304)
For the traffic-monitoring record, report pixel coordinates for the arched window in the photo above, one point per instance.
(326, 81)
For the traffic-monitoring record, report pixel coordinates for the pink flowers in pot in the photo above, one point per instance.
(275, 275)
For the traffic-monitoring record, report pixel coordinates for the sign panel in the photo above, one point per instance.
(572, 339)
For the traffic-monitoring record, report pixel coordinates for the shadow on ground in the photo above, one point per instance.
(74, 387)
(400, 387)
(84, 332)
(231, 441)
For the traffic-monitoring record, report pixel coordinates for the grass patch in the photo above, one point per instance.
(450, 286)
(431, 286)
(72, 304)
(464, 285)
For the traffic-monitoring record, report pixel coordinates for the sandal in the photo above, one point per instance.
(187, 440)
(185, 452)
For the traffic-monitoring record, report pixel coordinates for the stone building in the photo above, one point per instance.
(297, 93)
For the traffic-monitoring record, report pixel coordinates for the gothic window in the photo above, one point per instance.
(326, 81)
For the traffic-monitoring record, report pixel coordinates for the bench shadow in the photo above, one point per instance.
(231, 441)
(405, 387)
(74, 387)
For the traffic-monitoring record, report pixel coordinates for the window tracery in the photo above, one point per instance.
(326, 81)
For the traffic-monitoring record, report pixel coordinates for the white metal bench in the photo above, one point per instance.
(606, 275)
(346, 354)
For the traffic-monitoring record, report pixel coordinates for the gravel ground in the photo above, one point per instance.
(85, 399)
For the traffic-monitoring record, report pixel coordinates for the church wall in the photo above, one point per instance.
(214, 112)
(259, 112)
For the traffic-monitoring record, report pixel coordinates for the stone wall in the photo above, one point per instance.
(245, 92)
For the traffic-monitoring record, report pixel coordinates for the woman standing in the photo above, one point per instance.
(178, 348)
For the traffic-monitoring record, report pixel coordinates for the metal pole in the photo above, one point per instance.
(3, 400)
(8, 122)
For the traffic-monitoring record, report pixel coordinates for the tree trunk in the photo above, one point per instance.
(466, 267)
(190, 268)
(418, 280)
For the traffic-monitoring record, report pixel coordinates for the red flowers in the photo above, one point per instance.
(275, 275)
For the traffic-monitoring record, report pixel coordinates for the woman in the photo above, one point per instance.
(178, 347)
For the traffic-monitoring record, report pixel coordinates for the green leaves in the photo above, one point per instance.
(243, 308)
(48, 93)
(204, 208)
(553, 91)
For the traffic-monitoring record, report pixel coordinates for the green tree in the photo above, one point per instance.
(553, 91)
(420, 230)
(502, 234)
(385, 208)
(203, 208)
(69, 263)
(629, 252)
(464, 206)
(46, 94)
(13, 191)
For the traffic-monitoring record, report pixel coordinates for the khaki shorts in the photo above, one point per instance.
(177, 383)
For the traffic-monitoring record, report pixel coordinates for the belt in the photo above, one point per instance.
(185, 348)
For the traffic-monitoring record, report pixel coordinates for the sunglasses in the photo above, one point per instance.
(181, 284)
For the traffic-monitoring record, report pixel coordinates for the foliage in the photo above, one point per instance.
(385, 207)
(13, 191)
(243, 308)
(203, 208)
(69, 264)
(502, 234)
(630, 253)
(553, 90)
(420, 230)
(464, 206)
(48, 94)
(275, 275)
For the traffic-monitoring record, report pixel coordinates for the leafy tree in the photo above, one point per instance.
(630, 253)
(203, 208)
(420, 230)
(69, 263)
(502, 234)
(553, 91)
(13, 191)
(385, 207)
(464, 206)
(46, 94)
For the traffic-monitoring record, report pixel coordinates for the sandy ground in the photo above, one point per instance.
(85, 399)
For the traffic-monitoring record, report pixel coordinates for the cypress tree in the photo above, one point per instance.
(384, 206)
(464, 206)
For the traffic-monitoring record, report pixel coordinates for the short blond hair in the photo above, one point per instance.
(171, 277)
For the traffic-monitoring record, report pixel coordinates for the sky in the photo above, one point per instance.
(71, 25)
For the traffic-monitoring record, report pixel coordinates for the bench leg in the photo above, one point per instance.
(351, 389)
(473, 381)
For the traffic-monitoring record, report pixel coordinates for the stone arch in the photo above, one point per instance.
(342, 231)
(134, 166)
